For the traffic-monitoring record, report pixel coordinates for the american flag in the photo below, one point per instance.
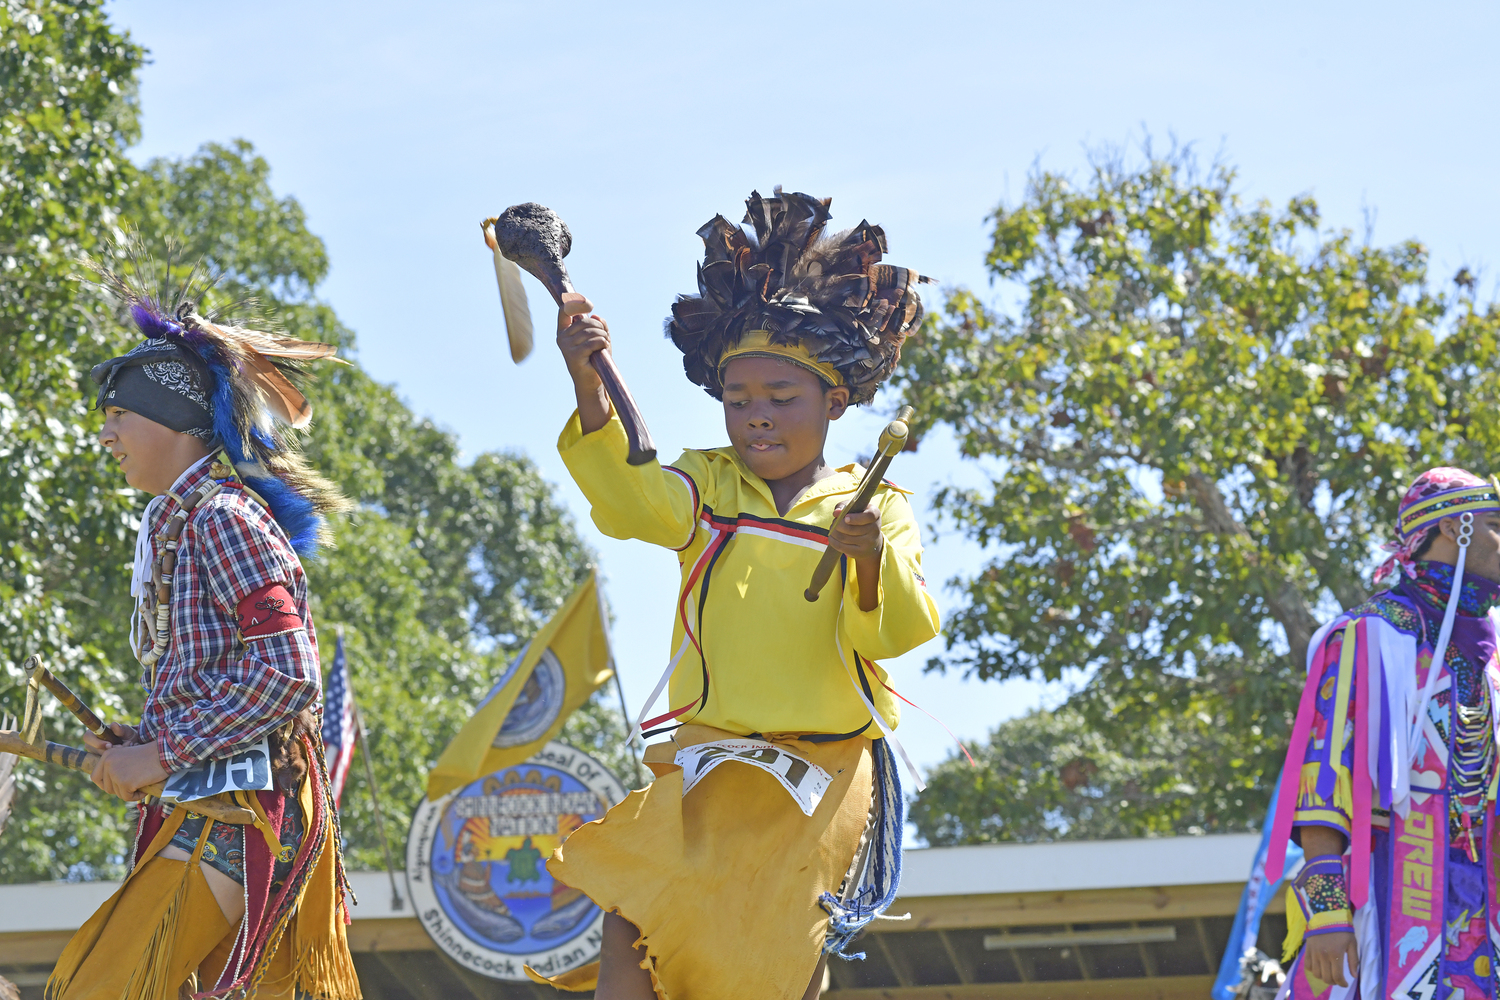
(339, 732)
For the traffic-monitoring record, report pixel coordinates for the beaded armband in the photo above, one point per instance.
(1323, 894)
(266, 612)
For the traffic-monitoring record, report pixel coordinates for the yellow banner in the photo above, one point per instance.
(557, 672)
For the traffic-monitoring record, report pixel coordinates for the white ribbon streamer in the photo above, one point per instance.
(1418, 735)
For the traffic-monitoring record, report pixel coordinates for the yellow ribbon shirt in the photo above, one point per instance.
(753, 655)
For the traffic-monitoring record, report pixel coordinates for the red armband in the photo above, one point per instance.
(268, 611)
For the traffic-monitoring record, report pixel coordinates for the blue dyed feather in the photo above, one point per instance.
(298, 518)
(153, 322)
(294, 512)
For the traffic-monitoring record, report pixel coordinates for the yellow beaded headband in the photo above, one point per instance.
(757, 344)
(1448, 503)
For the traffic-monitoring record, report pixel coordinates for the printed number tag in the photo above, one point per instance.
(247, 771)
(804, 781)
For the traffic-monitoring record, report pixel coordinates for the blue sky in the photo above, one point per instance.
(400, 126)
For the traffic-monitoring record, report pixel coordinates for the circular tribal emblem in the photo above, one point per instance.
(476, 866)
(537, 705)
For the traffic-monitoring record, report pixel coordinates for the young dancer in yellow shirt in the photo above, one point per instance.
(737, 881)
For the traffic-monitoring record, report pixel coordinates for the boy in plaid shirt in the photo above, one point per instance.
(229, 657)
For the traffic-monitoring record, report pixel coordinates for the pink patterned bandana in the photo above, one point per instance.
(1436, 494)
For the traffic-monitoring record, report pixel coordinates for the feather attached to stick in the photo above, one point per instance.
(7, 777)
(512, 297)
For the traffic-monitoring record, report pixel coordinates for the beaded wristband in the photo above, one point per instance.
(1324, 895)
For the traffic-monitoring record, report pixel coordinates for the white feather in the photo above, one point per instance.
(513, 301)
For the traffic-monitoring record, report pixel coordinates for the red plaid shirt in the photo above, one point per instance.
(213, 692)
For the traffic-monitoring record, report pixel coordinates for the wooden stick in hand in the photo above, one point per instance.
(892, 440)
(637, 436)
(71, 701)
(75, 759)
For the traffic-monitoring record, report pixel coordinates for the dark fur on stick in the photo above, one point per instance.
(537, 239)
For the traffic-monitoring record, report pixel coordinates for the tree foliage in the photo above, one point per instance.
(1056, 775)
(67, 114)
(442, 573)
(1201, 413)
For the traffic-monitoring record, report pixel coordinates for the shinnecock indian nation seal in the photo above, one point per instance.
(476, 865)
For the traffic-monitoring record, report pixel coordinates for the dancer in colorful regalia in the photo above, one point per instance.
(721, 883)
(229, 657)
(1389, 784)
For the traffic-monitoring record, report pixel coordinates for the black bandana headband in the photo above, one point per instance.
(161, 382)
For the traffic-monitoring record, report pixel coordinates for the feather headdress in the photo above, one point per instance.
(831, 294)
(250, 390)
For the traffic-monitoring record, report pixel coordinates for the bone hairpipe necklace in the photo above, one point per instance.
(157, 602)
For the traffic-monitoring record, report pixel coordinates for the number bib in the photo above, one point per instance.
(247, 771)
(803, 780)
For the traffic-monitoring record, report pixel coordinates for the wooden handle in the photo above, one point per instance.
(214, 807)
(642, 448)
(861, 500)
(821, 574)
(892, 440)
(71, 701)
(77, 759)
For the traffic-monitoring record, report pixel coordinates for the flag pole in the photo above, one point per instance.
(615, 669)
(397, 903)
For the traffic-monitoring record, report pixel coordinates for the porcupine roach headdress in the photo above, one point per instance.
(230, 387)
(827, 303)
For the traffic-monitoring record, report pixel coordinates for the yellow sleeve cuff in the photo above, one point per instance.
(1322, 816)
(572, 437)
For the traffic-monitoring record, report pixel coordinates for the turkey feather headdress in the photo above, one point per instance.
(828, 295)
(228, 385)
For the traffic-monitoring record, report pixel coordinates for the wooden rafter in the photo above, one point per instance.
(1148, 957)
(898, 964)
(1208, 952)
(1082, 906)
(962, 967)
(1022, 961)
(1085, 967)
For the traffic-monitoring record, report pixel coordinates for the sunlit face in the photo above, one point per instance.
(150, 454)
(777, 414)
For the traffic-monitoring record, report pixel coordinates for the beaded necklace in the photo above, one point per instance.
(156, 602)
(1472, 750)
(155, 607)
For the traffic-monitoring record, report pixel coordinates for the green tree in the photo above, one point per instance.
(1055, 776)
(1202, 414)
(67, 114)
(438, 578)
